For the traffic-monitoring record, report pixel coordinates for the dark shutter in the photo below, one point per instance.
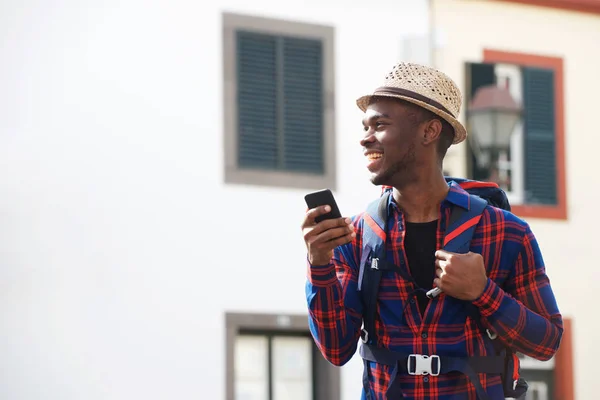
(257, 100)
(303, 105)
(540, 136)
(480, 74)
(280, 103)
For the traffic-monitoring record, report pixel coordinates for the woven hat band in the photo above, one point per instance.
(383, 90)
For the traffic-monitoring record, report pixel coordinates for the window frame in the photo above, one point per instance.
(233, 174)
(326, 377)
(558, 211)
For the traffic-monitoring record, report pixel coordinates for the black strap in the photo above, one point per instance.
(374, 276)
(469, 366)
(480, 364)
(374, 279)
(383, 205)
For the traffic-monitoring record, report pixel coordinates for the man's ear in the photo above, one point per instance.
(432, 131)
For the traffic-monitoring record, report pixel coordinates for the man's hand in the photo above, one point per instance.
(325, 236)
(461, 276)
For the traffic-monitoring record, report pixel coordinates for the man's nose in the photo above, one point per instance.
(368, 138)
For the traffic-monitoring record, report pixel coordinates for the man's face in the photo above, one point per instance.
(390, 142)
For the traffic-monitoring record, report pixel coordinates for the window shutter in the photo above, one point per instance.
(280, 103)
(303, 105)
(540, 136)
(257, 100)
(481, 75)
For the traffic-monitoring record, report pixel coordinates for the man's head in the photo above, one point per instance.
(410, 122)
(401, 139)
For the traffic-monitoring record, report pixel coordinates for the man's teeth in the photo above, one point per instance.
(374, 156)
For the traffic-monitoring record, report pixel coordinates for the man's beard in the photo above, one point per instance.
(399, 173)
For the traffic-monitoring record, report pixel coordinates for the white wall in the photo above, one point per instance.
(470, 26)
(120, 249)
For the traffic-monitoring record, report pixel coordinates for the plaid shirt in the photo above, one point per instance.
(517, 303)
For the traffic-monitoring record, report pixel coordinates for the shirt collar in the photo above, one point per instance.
(456, 196)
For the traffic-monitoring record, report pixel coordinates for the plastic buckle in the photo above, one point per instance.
(364, 339)
(423, 365)
(491, 335)
(375, 263)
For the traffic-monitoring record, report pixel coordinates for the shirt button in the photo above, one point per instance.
(424, 335)
(426, 379)
(412, 301)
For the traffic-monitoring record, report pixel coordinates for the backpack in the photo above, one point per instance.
(460, 229)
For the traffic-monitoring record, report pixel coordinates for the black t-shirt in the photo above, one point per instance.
(420, 246)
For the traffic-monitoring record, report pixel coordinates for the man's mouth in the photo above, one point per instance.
(374, 156)
(374, 160)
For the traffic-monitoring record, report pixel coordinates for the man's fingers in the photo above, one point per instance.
(312, 214)
(444, 255)
(342, 240)
(315, 212)
(327, 224)
(331, 234)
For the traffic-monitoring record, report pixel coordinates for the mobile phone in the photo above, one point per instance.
(321, 198)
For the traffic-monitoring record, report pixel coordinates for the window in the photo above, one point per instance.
(532, 170)
(278, 103)
(540, 376)
(273, 357)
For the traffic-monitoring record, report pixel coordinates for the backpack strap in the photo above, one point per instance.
(369, 277)
(462, 225)
(460, 229)
(373, 251)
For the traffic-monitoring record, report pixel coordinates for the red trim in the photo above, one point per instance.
(555, 63)
(465, 185)
(478, 184)
(584, 6)
(515, 370)
(376, 228)
(456, 232)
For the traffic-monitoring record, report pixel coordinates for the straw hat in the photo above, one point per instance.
(426, 87)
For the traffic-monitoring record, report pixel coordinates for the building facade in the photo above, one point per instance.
(156, 156)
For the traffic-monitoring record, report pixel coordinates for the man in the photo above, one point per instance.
(409, 123)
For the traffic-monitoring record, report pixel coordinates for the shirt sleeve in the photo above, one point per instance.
(334, 305)
(525, 313)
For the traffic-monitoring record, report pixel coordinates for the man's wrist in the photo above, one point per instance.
(490, 299)
(321, 275)
(481, 289)
(319, 263)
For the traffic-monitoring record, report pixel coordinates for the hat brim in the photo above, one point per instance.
(460, 133)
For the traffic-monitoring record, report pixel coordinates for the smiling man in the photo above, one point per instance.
(494, 295)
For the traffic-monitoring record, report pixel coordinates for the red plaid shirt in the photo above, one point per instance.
(517, 303)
